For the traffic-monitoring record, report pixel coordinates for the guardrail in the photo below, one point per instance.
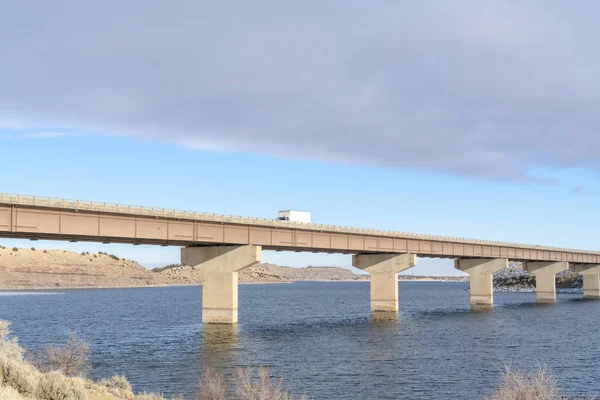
(42, 201)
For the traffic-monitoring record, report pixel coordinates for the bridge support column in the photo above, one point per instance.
(545, 278)
(591, 279)
(220, 266)
(384, 269)
(481, 272)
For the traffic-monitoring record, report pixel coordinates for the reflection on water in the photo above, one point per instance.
(219, 346)
(322, 338)
(482, 307)
(27, 293)
(384, 317)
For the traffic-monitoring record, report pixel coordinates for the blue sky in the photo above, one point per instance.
(153, 173)
(472, 118)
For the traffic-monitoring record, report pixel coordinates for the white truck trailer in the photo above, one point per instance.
(294, 216)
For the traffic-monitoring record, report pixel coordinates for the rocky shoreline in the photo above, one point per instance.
(515, 279)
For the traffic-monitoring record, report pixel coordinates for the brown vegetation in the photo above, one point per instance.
(58, 373)
(532, 385)
(70, 359)
(248, 386)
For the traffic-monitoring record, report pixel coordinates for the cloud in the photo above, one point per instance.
(43, 135)
(579, 190)
(478, 88)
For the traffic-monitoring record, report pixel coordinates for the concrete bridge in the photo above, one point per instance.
(223, 245)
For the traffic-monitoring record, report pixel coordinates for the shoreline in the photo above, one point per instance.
(575, 290)
(54, 288)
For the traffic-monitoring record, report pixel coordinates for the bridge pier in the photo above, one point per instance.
(220, 266)
(384, 269)
(481, 272)
(591, 279)
(545, 278)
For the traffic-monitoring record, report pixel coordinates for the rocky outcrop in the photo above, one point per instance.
(515, 279)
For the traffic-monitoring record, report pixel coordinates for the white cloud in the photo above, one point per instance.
(478, 88)
(38, 135)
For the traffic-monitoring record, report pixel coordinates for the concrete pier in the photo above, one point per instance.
(591, 279)
(481, 272)
(545, 278)
(384, 269)
(220, 266)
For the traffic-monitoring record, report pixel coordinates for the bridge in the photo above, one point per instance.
(223, 245)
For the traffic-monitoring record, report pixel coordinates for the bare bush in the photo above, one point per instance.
(9, 346)
(116, 382)
(212, 386)
(261, 386)
(149, 396)
(70, 359)
(248, 386)
(534, 385)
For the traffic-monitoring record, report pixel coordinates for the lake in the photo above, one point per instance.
(321, 338)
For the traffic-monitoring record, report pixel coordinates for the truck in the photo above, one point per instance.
(294, 216)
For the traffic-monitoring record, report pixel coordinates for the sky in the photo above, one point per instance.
(473, 119)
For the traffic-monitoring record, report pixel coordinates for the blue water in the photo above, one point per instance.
(321, 338)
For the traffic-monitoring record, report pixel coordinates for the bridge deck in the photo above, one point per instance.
(36, 217)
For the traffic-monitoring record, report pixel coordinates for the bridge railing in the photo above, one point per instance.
(42, 201)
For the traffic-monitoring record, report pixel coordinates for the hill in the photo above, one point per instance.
(515, 279)
(32, 268)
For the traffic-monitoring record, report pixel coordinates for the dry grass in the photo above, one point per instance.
(532, 385)
(261, 386)
(70, 359)
(58, 373)
(118, 386)
(9, 347)
(57, 386)
(19, 377)
(8, 393)
(248, 386)
(149, 396)
(212, 386)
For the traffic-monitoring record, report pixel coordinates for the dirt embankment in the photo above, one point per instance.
(42, 269)
(31, 268)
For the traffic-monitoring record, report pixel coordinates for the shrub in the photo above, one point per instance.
(9, 347)
(46, 251)
(261, 386)
(15, 249)
(149, 396)
(33, 249)
(165, 268)
(116, 382)
(9, 393)
(55, 386)
(114, 257)
(211, 386)
(19, 375)
(70, 359)
(516, 385)
(248, 386)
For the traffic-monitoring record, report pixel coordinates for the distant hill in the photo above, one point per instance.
(30, 268)
(515, 279)
(22, 268)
